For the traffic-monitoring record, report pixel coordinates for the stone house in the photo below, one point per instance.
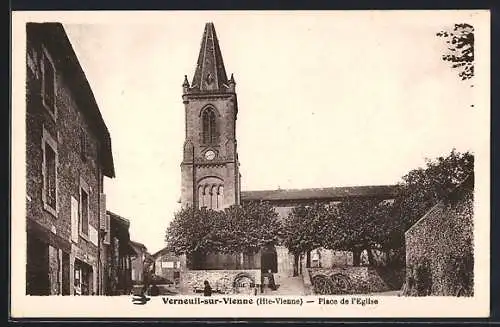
(139, 257)
(68, 154)
(120, 252)
(440, 249)
(167, 265)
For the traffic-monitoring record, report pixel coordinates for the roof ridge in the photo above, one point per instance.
(138, 243)
(111, 213)
(386, 191)
(320, 188)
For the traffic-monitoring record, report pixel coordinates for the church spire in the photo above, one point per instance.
(210, 74)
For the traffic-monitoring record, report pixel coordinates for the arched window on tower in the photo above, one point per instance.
(210, 193)
(207, 197)
(209, 127)
(201, 194)
(220, 197)
(214, 197)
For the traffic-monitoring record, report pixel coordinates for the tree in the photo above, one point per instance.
(460, 42)
(363, 224)
(305, 228)
(251, 226)
(295, 238)
(351, 225)
(238, 229)
(422, 188)
(194, 232)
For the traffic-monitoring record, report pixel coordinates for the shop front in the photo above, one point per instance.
(84, 272)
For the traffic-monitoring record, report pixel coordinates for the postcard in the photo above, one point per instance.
(241, 164)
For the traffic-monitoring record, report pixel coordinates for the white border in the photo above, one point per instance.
(26, 306)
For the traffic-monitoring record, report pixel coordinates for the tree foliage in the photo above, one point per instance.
(351, 225)
(357, 224)
(460, 42)
(362, 224)
(251, 226)
(194, 230)
(306, 227)
(237, 229)
(422, 188)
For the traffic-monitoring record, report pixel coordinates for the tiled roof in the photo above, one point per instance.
(160, 252)
(119, 218)
(382, 191)
(138, 245)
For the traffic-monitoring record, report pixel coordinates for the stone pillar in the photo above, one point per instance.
(285, 262)
(54, 270)
(94, 279)
(72, 272)
(60, 273)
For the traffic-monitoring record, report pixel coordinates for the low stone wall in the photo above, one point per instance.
(335, 258)
(222, 281)
(308, 286)
(439, 251)
(346, 280)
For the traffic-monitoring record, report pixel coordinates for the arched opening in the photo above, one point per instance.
(220, 197)
(214, 192)
(209, 126)
(207, 200)
(210, 193)
(201, 197)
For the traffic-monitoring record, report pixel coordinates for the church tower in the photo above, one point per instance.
(210, 167)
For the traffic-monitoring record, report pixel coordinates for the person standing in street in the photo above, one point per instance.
(207, 290)
(146, 275)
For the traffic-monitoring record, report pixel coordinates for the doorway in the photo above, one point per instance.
(82, 278)
(37, 267)
(65, 274)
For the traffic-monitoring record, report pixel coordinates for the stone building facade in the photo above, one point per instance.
(168, 265)
(118, 270)
(68, 153)
(139, 258)
(440, 247)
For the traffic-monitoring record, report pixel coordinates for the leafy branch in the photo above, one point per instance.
(460, 42)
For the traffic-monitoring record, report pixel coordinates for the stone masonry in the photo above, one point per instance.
(78, 147)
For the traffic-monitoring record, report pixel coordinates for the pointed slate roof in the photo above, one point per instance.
(210, 74)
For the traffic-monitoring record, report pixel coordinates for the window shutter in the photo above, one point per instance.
(84, 146)
(102, 213)
(107, 238)
(74, 220)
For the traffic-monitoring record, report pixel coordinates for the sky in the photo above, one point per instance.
(325, 99)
